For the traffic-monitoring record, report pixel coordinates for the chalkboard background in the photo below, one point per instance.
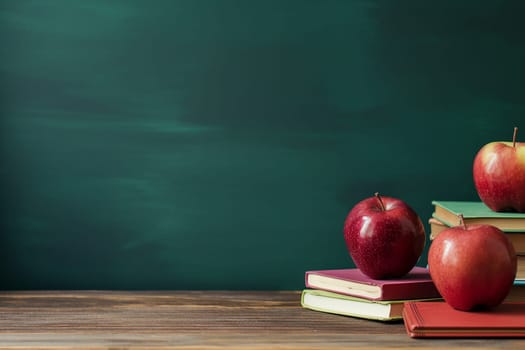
(220, 144)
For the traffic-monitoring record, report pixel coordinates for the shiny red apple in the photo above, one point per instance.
(499, 175)
(384, 236)
(472, 266)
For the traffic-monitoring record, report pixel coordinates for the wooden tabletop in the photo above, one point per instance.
(195, 320)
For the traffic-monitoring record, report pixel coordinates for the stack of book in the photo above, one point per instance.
(349, 292)
(512, 224)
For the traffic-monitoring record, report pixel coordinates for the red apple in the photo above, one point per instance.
(499, 175)
(472, 266)
(384, 236)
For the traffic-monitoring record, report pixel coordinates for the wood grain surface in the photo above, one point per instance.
(195, 320)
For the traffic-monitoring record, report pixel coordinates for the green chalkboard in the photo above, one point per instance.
(220, 144)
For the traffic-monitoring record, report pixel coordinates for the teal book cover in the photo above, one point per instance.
(477, 213)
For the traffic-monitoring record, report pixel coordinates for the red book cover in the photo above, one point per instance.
(439, 320)
(417, 284)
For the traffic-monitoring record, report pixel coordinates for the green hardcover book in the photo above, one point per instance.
(334, 303)
(517, 238)
(477, 213)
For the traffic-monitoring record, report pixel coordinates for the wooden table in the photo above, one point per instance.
(198, 319)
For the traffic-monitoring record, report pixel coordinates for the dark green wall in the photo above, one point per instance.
(220, 144)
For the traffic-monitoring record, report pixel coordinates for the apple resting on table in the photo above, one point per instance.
(472, 266)
(499, 175)
(384, 236)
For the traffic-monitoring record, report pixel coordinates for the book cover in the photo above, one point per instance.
(517, 238)
(417, 284)
(477, 213)
(436, 319)
(334, 303)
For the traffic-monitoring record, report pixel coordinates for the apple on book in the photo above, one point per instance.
(473, 267)
(384, 236)
(499, 175)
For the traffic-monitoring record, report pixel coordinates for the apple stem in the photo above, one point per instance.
(514, 136)
(462, 221)
(380, 201)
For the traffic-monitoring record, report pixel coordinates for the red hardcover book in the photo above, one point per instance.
(417, 284)
(436, 319)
